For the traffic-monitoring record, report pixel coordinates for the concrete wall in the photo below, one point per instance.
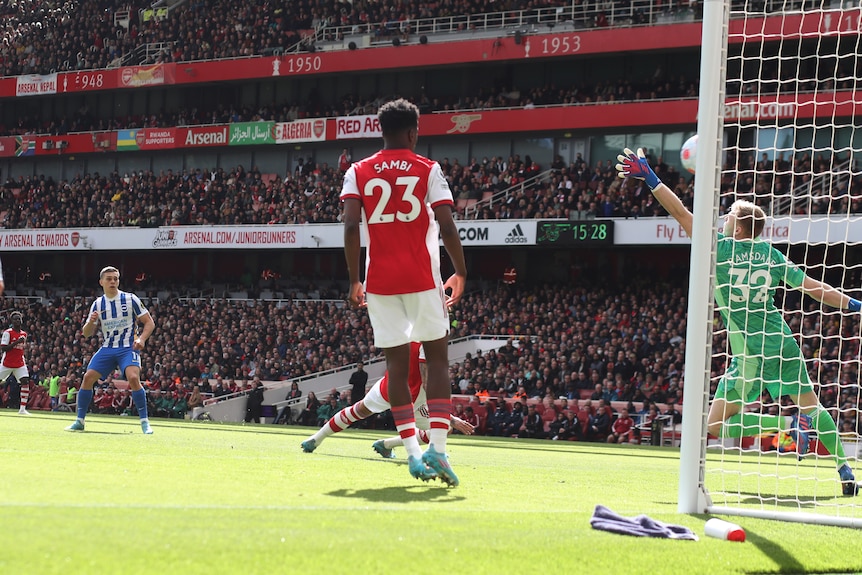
(233, 410)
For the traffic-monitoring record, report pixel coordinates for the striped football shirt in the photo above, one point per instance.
(118, 318)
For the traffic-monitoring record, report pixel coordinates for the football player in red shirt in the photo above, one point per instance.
(402, 197)
(377, 401)
(12, 345)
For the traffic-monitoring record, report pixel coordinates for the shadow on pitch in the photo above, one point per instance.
(398, 494)
(778, 554)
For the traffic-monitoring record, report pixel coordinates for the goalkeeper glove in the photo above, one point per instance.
(636, 166)
(854, 305)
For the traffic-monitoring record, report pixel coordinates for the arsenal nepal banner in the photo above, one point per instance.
(36, 85)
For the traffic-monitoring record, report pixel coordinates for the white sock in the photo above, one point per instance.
(391, 442)
(411, 444)
(437, 438)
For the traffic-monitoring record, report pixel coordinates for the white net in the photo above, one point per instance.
(793, 145)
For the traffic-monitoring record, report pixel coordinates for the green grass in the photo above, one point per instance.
(208, 498)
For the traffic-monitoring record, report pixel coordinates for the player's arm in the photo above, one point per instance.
(440, 198)
(6, 342)
(353, 249)
(635, 165)
(829, 295)
(464, 427)
(452, 243)
(146, 320)
(352, 218)
(89, 327)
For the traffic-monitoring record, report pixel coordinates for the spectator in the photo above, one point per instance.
(308, 416)
(254, 403)
(533, 426)
(498, 422)
(621, 431)
(599, 423)
(195, 400)
(327, 410)
(358, 382)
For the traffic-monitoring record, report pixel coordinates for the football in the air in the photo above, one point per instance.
(688, 153)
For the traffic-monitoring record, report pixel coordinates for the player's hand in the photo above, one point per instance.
(139, 344)
(456, 284)
(636, 166)
(464, 427)
(22, 338)
(356, 297)
(94, 317)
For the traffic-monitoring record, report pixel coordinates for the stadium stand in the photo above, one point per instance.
(486, 189)
(564, 340)
(39, 37)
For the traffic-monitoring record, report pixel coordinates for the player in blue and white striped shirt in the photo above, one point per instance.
(117, 313)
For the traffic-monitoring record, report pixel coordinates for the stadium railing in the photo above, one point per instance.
(471, 210)
(574, 15)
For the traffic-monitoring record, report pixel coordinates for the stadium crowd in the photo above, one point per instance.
(576, 191)
(604, 344)
(39, 37)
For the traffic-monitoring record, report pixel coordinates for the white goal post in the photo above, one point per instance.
(780, 81)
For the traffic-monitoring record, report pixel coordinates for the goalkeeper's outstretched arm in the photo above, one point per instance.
(829, 295)
(636, 165)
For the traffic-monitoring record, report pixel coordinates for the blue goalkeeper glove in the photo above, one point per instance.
(636, 166)
(854, 305)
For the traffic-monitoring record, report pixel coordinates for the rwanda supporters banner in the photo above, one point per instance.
(146, 139)
(127, 140)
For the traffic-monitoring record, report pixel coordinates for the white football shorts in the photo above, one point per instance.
(400, 319)
(18, 372)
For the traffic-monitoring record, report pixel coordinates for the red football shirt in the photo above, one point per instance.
(399, 191)
(414, 376)
(15, 356)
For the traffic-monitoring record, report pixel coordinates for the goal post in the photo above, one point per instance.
(698, 352)
(780, 124)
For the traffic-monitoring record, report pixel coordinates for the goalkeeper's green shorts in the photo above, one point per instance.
(747, 376)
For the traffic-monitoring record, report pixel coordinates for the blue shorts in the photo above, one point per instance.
(108, 358)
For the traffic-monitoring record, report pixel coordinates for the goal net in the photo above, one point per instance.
(786, 139)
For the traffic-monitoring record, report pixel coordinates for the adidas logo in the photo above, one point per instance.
(516, 236)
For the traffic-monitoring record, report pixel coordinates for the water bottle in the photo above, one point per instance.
(721, 529)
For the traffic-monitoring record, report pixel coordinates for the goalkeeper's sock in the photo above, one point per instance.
(750, 424)
(827, 434)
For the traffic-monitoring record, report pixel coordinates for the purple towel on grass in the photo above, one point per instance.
(640, 526)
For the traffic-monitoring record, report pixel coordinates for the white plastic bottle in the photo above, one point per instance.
(721, 529)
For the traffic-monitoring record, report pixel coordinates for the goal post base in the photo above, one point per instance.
(792, 516)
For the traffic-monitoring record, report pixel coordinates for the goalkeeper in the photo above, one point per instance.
(765, 354)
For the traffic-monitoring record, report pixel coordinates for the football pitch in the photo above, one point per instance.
(200, 497)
